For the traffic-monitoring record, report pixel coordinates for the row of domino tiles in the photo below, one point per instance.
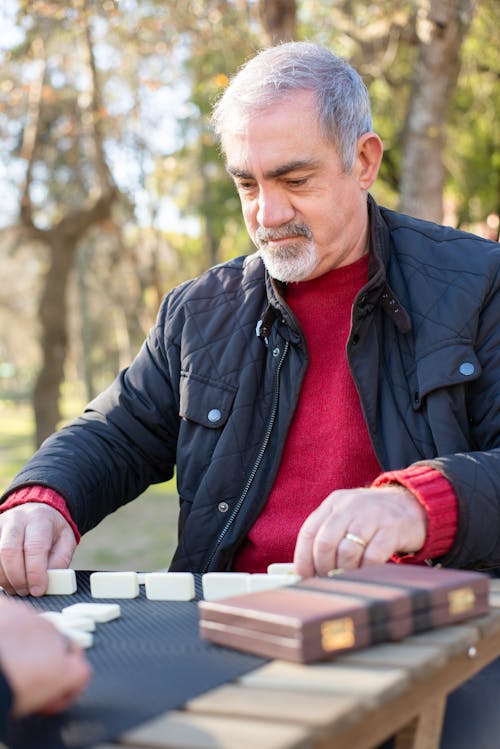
(172, 586)
(78, 621)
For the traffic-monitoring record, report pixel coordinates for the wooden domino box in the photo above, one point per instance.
(320, 617)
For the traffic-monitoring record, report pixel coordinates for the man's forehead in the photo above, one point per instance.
(271, 126)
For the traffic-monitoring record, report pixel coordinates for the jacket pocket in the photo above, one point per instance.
(452, 364)
(204, 401)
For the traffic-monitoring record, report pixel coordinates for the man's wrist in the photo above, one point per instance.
(43, 495)
(438, 500)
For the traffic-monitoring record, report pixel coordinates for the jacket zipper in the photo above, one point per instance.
(258, 461)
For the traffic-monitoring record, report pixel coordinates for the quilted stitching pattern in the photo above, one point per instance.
(418, 406)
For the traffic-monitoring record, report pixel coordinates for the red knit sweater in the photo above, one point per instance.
(328, 446)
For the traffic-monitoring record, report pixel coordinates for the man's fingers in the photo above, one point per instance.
(62, 551)
(12, 570)
(48, 544)
(381, 548)
(37, 544)
(307, 541)
(355, 527)
(32, 538)
(350, 552)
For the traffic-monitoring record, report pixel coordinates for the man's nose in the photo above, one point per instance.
(274, 208)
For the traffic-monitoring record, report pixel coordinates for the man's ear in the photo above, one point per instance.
(369, 152)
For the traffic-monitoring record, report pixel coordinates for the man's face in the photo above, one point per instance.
(303, 213)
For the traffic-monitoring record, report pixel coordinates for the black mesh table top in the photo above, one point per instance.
(148, 661)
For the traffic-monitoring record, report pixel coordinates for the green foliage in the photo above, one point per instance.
(474, 129)
(380, 40)
(209, 62)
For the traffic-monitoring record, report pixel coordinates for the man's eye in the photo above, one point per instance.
(245, 186)
(297, 182)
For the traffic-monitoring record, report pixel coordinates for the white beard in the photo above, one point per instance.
(294, 261)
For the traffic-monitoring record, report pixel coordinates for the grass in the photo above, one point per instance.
(16, 439)
(139, 536)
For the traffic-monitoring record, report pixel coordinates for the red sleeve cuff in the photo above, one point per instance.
(436, 495)
(45, 495)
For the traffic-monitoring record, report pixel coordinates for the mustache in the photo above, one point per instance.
(264, 235)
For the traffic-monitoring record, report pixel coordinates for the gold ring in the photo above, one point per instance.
(357, 539)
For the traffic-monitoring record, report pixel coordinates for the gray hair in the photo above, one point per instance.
(343, 103)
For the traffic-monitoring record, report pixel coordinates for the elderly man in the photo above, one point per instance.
(333, 398)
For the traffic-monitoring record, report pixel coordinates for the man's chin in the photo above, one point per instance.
(285, 271)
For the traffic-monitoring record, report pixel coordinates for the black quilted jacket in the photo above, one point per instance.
(214, 387)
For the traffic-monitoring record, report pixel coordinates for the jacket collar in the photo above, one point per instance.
(376, 291)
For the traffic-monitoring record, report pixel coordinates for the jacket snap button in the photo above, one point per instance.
(276, 352)
(223, 507)
(214, 415)
(466, 368)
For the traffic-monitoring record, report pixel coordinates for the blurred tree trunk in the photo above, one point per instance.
(82, 264)
(61, 240)
(279, 20)
(441, 28)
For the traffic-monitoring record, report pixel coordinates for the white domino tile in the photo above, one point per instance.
(114, 585)
(221, 584)
(169, 586)
(99, 612)
(84, 639)
(85, 623)
(61, 582)
(263, 581)
(281, 568)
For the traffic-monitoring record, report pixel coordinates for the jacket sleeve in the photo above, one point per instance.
(44, 495)
(124, 441)
(475, 475)
(439, 502)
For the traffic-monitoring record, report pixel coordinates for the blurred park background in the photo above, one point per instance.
(113, 190)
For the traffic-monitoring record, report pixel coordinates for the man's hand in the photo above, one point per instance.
(356, 527)
(34, 537)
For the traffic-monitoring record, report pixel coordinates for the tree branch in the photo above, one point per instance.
(30, 139)
(106, 181)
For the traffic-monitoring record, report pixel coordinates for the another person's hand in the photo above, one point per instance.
(45, 671)
(356, 527)
(34, 537)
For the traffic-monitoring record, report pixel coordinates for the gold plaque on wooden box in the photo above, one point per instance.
(337, 634)
(461, 600)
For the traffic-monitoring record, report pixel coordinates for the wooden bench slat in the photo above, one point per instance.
(412, 658)
(456, 639)
(488, 624)
(182, 730)
(372, 685)
(316, 710)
